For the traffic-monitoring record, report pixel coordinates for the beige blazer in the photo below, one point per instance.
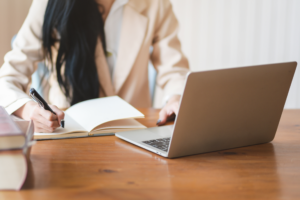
(145, 23)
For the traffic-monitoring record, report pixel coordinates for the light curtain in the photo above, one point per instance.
(230, 33)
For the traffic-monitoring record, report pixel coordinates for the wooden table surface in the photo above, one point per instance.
(108, 168)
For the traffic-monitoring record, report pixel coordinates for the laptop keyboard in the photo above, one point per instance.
(162, 143)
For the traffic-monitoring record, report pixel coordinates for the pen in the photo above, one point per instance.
(42, 103)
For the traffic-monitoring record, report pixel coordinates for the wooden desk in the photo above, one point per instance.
(109, 168)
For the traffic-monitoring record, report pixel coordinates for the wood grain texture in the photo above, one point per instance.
(109, 168)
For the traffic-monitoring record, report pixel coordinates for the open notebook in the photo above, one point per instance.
(102, 116)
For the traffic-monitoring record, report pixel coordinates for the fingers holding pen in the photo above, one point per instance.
(42, 128)
(48, 119)
(60, 115)
(44, 120)
(49, 116)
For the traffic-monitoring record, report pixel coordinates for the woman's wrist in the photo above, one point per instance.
(24, 111)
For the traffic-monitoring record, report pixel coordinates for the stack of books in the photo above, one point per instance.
(15, 143)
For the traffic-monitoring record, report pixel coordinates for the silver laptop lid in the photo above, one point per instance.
(222, 109)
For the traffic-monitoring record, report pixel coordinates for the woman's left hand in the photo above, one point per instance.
(169, 110)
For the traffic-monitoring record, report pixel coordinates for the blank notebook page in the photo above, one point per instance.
(92, 113)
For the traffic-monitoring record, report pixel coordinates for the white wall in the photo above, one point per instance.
(12, 16)
(229, 33)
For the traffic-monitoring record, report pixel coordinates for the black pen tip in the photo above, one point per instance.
(62, 123)
(158, 121)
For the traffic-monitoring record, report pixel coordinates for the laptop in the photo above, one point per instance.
(222, 109)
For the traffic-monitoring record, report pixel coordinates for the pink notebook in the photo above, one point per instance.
(7, 125)
(11, 136)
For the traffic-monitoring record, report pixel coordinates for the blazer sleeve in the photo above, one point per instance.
(171, 65)
(20, 62)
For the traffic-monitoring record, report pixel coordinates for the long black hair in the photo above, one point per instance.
(79, 25)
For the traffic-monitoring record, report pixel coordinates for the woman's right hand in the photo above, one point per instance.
(44, 120)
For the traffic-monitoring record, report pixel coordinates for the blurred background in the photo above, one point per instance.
(215, 34)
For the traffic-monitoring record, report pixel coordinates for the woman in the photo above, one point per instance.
(94, 48)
